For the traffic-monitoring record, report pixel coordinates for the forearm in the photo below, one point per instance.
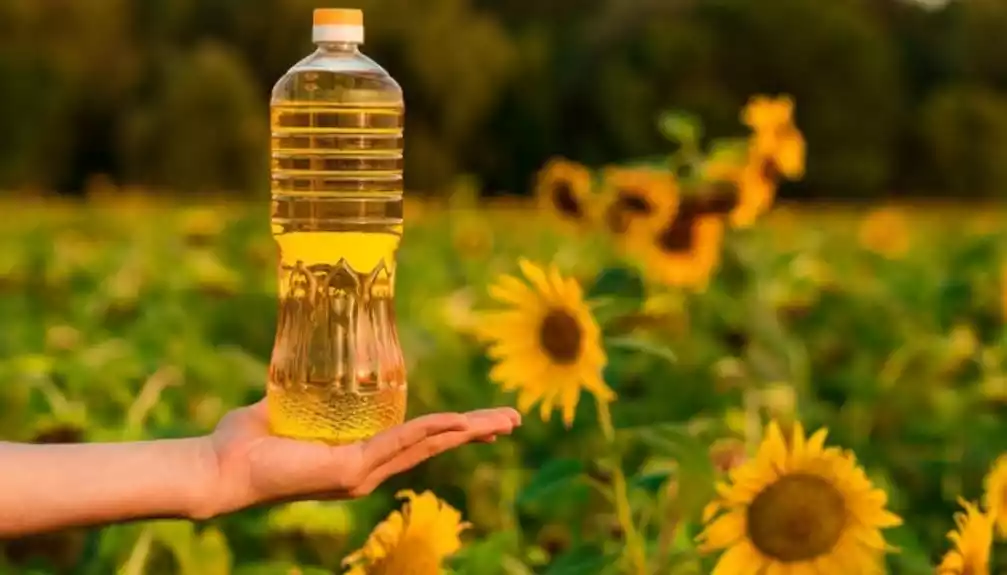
(47, 487)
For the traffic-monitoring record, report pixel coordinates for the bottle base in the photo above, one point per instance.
(337, 418)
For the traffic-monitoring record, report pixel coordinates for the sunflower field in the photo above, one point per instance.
(710, 383)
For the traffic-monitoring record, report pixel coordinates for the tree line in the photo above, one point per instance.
(893, 97)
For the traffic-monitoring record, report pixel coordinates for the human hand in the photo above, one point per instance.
(252, 466)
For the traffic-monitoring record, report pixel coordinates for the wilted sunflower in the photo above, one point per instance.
(798, 508)
(996, 494)
(686, 251)
(972, 540)
(564, 188)
(775, 137)
(547, 345)
(885, 231)
(638, 199)
(415, 540)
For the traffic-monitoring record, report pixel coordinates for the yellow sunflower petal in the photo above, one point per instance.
(724, 531)
(569, 399)
(741, 559)
(537, 276)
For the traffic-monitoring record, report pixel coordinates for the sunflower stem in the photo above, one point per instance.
(634, 545)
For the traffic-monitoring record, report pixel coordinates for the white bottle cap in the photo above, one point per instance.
(338, 25)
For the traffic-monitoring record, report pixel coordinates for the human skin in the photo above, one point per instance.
(50, 487)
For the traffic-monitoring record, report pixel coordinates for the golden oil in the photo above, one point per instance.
(336, 372)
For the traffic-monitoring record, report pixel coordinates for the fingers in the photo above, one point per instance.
(484, 425)
(506, 413)
(386, 445)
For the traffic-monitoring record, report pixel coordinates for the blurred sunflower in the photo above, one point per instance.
(686, 251)
(742, 192)
(799, 508)
(996, 494)
(415, 540)
(775, 137)
(548, 344)
(638, 199)
(564, 188)
(885, 231)
(972, 540)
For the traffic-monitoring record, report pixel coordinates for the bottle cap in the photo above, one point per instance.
(338, 25)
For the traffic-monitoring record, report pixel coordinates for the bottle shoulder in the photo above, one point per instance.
(337, 76)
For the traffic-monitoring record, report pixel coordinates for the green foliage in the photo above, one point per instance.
(555, 475)
(583, 559)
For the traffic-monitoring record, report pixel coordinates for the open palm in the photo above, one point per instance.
(253, 466)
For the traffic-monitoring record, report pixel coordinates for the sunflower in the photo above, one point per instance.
(775, 137)
(547, 345)
(885, 231)
(638, 199)
(742, 191)
(996, 494)
(972, 539)
(564, 188)
(798, 508)
(686, 250)
(415, 540)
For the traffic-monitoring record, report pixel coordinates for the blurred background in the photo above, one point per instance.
(896, 97)
(871, 301)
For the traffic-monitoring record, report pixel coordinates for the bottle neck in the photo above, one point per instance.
(338, 47)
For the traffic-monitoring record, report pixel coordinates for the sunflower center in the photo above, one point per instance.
(797, 518)
(635, 202)
(560, 336)
(770, 173)
(565, 200)
(616, 218)
(677, 237)
(721, 198)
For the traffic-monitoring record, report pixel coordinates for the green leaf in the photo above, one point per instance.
(580, 560)
(638, 344)
(552, 476)
(732, 150)
(617, 282)
(681, 127)
(694, 475)
(913, 558)
(650, 482)
(279, 568)
(180, 538)
(213, 557)
(484, 556)
(618, 291)
(312, 518)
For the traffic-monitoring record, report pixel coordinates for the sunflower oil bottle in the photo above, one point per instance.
(336, 372)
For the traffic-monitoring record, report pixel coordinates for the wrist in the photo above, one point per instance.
(204, 500)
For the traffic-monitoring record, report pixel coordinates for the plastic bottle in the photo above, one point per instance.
(336, 372)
